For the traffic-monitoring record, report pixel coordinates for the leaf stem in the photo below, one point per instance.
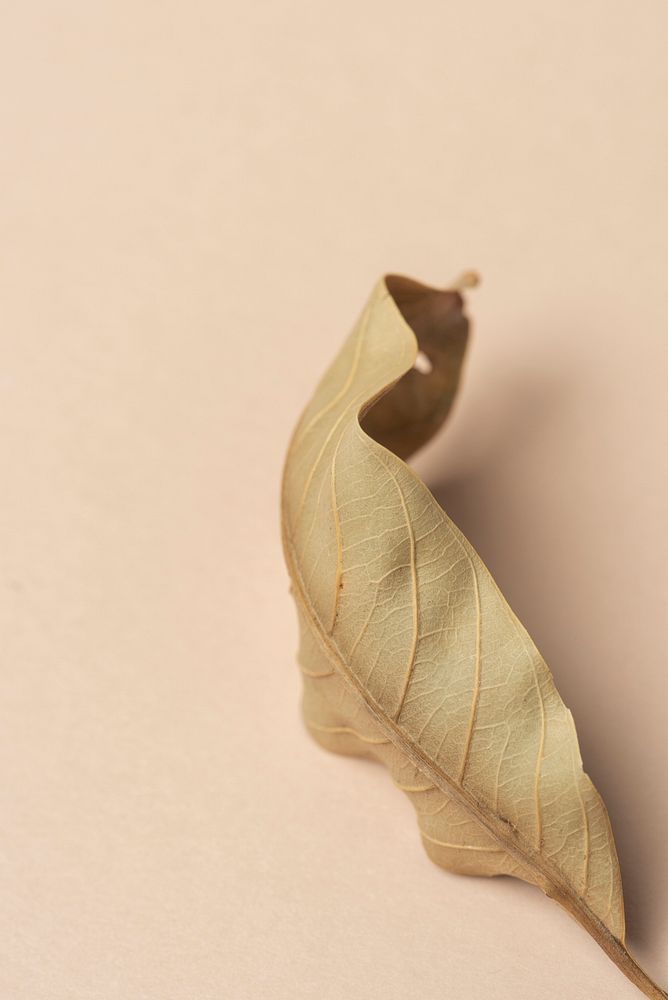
(467, 279)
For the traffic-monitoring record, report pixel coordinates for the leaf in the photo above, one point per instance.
(409, 652)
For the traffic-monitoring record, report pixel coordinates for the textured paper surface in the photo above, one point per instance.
(194, 204)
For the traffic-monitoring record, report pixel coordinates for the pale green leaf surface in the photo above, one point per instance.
(410, 653)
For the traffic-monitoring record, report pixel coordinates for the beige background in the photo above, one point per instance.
(195, 200)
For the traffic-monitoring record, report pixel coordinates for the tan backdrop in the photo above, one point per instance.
(195, 199)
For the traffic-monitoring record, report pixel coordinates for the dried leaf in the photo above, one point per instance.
(409, 652)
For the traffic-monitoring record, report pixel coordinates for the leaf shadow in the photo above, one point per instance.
(519, 492)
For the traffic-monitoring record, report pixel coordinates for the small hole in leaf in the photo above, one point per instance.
(423, 364)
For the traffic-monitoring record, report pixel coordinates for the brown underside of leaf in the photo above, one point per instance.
(409, 652)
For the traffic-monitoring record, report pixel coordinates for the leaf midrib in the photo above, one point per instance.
(553, 884)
